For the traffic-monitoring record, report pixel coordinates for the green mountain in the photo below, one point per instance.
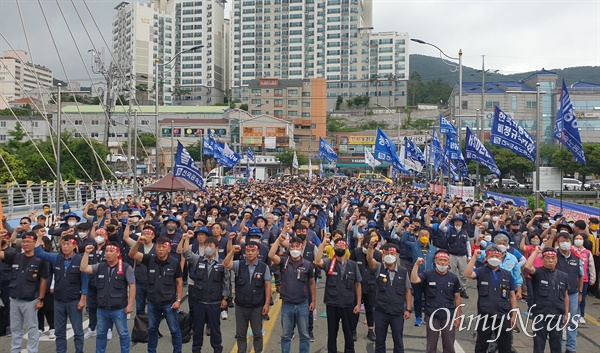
(431, 68)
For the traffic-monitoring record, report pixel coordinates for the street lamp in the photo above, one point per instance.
(460, 77)
(399, 121)
(157, 130)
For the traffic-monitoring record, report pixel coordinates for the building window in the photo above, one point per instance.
(531, 104)
(3, 124)
(491, 104)
(306, 104)
(465, 104)
(513, 102)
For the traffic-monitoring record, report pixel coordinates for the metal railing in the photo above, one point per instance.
(24, 198)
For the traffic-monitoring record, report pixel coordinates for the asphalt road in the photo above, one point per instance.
(414, 337)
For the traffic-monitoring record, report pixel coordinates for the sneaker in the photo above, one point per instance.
(354, 338)
(51, 334)
(312, 337)
(224, 315)
(89, 333)
(371, 335)
(109, 334)
(582, 320)
(418, 321)
(41, 332)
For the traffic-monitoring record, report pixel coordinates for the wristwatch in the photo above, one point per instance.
(179, 300)
(41, 299)
(409, 311)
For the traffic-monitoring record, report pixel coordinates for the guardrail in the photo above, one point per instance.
(24, 198)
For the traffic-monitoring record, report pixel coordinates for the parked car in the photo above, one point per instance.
(571, 184)
(592, 185)
(118, 157)
(506, 184)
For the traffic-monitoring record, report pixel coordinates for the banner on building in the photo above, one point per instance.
(517, 201)
(571, 210)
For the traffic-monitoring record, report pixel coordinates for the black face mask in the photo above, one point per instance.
(340, 252)
(233, 218)
(467, 212)
(301, 236)
(515, 230)
(110, 229)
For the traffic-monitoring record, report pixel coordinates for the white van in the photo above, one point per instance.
(571, 184)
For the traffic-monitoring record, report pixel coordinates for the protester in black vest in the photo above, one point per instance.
(442, 301)
(394, 297)
(497, 297)
(97, 256)
(209, 294)
(26, 289)
(113, 279)
(252, 294)
(551, 300)
(297, 288)
(343, 293)
(140, 270)
(165, 289)
(70, 291)
(459, 247)
(5, 277)
(368, 285)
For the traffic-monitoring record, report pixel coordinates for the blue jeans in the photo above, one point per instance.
(572, 328)
(154, 318)
(62, 310)
(294, 315)
(106, 318)
(586, 286)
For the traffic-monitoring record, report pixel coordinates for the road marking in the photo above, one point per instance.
(70, 333)
(592, 320)
(268, 327)
(458, 348)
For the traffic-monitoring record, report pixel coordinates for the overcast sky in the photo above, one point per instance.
(515, 35)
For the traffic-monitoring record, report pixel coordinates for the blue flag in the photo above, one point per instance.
(250, 154)
(462, 165)
(413, 152)
(321, 173)
(565, 128)
(446, 127)
(452, 148)
(226, 156)
(385, 151)
(394, 175)
(435, 151)
(476, 151)
(326, 151)
(447, 163)
(207, 148)
(508, 134)
(186, 168)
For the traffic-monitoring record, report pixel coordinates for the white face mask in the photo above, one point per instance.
(99, 239)
(82, 234)
(494, 219)
(188, 199)
(72, 223)
(209, 219)
(179, 217)
(365, 250)
(502, 248)
(363, 222)
(295, 253)
(275, 218)
(487, 217)
(209, 251)
(487, 238)
(136, 219)
(545, 225)
(389, 259)
(494, 262)
(458, 228)
(441, 268)
(578, 242)
(565, 245)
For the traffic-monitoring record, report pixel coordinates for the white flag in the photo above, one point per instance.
(370, 160)
(295, 161)
(309, 169)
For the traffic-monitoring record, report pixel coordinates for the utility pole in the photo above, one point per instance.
(135, 147)
(108, 101)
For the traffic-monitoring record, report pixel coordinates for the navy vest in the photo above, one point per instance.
(208, 288)
(67, 284)
(25, 281)
(294, 280)
(570, 266)
(250, 292)
(457, 242)
(439, 293)
(493, 299)
(162, 288)
(369, 276)
(549, 289)
(391, 294)
(112, 288)
(339, 288)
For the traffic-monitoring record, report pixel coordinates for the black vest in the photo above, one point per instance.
(25, 281)
(549, 289)
(493, 299)
(439, 293)
(96, 257)
(391, 294)
(294, 281)
(162, 288)
(457, 242)
(208, 288)
(570, 266)
(339, 288)
(140, 270)
(250, 292)
(112, 289)
(6, 268)
(368, 276)
(67, 284)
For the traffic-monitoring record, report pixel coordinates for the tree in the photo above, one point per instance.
(286, 158)
(16, 166)
(179, 92)
(508, 161)
(338, 102)
(244, 107)
(18, 133)
(415, 87)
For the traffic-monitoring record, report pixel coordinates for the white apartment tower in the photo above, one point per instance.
(19, 78)
(332, 39)
(163, 29)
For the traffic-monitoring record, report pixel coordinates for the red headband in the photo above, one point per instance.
(494, 252)
(112, 247)
(74, 241)
(392, 249)
(30, 237)
(441, 255)
(101, 231)
(148, 231)
(549, 253)
(341, 242)
(252, 245)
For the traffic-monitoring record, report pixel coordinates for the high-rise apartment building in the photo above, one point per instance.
(331, 39)
(163, 29)
(19, 78)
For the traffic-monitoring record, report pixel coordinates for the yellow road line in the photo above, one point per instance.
(592, 320)
(268, 327)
